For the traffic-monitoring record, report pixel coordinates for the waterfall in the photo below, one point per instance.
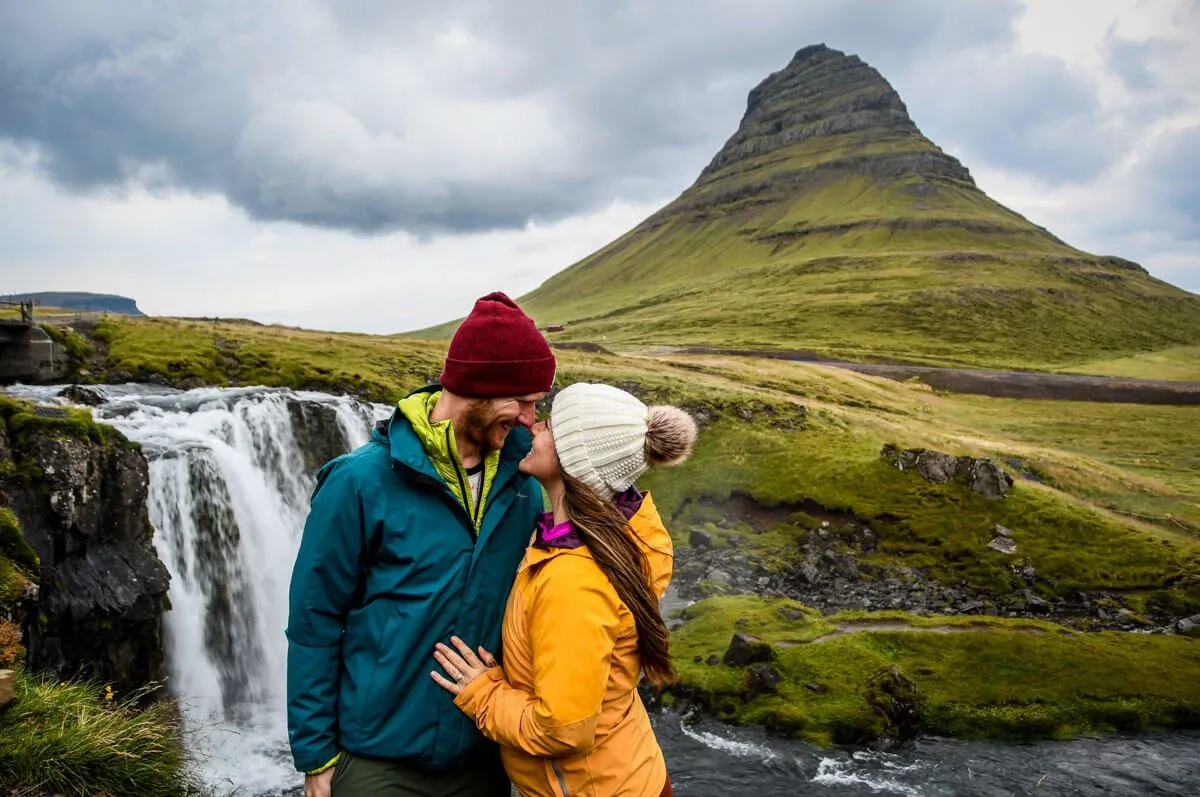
(231, 471)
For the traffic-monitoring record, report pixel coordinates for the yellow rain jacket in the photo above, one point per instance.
(565, 708)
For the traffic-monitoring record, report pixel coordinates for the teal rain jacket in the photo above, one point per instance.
(390, 564)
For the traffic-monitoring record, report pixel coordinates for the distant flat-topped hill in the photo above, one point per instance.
(829, 223)
(76, 300)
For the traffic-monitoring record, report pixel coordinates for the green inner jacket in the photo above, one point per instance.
(438, 441)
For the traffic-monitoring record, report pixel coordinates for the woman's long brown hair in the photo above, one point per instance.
(615, 551)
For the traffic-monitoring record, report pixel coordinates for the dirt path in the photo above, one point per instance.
(999, 384)
(858, 627)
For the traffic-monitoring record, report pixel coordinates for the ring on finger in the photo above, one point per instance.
(458, 676)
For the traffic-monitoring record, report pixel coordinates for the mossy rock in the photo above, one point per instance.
(12, 541)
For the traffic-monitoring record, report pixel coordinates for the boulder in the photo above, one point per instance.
(989, 479)
(700, 538)
(1189, 626)
(747, 649)
(82, 394)
(760, 679)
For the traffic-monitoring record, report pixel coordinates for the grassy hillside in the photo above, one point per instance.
(1106, 503)
(829, 223)
(1115, 503)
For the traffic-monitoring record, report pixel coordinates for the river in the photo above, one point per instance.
(228, 494)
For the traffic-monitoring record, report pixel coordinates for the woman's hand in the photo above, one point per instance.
(463, 666)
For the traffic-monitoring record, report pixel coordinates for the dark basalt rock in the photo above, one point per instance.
(82, 507)
(746, 649)
(760, 679)
(983, 475)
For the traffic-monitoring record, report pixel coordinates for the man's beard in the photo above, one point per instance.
(480, 426)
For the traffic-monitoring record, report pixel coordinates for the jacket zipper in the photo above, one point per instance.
(464, 485)
(562, 783)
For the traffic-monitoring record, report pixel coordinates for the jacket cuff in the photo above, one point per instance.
(327, 765)
(467, 698)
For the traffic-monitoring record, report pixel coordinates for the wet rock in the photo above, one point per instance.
(81, 394)
(760, 679)
(713, 660)
(103, 589)
(700, 538)
(1003, 531)
(746, 649)
(1189, 626)
(318, 432)
(820, 689)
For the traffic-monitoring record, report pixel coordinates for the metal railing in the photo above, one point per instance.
(26, 311)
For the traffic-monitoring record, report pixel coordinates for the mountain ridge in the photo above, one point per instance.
(829, 222)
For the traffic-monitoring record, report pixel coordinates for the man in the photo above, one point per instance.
(412, 539)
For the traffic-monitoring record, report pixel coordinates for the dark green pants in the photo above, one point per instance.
(356, 776)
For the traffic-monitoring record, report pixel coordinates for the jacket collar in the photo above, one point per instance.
(405, 446)
(644, 523)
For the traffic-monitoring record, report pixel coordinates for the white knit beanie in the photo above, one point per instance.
(600, 434)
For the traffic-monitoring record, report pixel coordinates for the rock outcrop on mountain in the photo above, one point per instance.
(829, 223)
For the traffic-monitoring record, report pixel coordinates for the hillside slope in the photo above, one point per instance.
(829, 223)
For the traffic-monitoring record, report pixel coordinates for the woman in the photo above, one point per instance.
(582, 621)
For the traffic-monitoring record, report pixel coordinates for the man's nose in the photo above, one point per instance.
(527, 416)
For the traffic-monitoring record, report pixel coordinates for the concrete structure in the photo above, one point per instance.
(27, 353)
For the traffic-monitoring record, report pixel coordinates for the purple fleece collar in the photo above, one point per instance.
(564, 534)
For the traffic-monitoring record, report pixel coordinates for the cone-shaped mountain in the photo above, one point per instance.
(829, 223)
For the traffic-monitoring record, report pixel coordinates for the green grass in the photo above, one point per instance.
(940, 528)
(67, 739)
(1179, 362)
(1100, 463)
(996, 680)
(231, 353)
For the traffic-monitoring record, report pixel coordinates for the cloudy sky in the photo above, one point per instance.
(361, 165)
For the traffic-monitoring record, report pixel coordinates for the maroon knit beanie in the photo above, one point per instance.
(498, 352)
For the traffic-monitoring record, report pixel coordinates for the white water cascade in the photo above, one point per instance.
(231, 471)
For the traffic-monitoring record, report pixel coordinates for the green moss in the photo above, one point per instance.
(12, 582)
(25, 420)
(12, 541)
(998, 679)
(68, 739)
(78, 347)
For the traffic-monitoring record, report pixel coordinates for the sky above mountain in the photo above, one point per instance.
(361, 165)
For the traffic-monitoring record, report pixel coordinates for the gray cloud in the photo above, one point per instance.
(373, 116)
